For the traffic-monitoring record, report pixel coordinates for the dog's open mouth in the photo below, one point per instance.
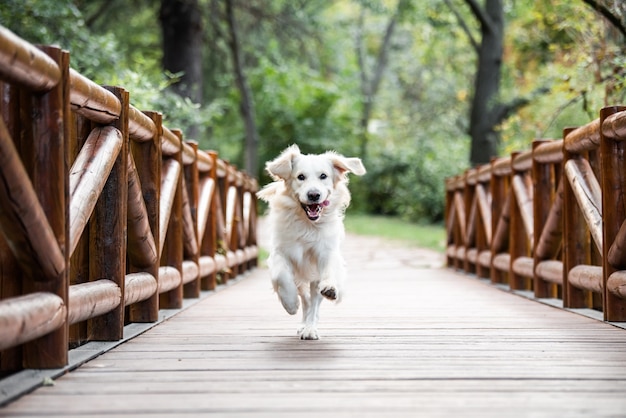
(314, 210)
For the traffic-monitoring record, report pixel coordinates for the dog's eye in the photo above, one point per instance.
(301, 177)
(323, 176)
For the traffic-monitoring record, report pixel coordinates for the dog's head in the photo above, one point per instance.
(313, 178)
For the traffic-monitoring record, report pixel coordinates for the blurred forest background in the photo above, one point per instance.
(420, 89)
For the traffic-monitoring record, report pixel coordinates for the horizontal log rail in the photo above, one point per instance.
(550, 220)
(106, 214)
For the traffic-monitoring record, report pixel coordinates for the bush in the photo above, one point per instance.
(410, 183)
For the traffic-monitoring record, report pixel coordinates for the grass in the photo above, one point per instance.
(425, 236)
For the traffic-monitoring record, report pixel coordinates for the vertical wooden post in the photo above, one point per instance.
(448, 216)
(192, 180)
(452, 231)
(237, 220)
(79, 259)
(468, 199)
(461, 219)
(107, 241)
(253, 220)
(613, 190)
(543, 196)
(50, 178)
(172, 254)
(576, 240)
(222, 238)
(482, 242)
(11, 276)
(498, 197)
(246, 219)
(209, 241)
(595, 300)
(148, 165)
(517, 234)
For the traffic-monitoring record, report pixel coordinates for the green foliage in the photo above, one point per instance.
(107, 57)
(61, 23)
(294, 104)
(566, 47)
(407, 233)
(301, 64)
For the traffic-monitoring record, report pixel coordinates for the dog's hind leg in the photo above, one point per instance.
(310, 315)
(283, 282)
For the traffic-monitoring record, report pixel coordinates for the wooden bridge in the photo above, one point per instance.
(412, 338)
(128, 283)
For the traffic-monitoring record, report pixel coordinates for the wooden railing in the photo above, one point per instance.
(106, 215)
(549, 220)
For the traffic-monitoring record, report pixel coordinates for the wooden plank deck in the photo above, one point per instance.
(410, 339)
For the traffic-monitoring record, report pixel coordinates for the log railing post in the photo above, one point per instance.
(11, 276)
(449, 221)
(147, 158)
(107, 234)
(46, 157)
(222, 235)
(240, 239)
(576, 240)
(596, 255)
(544, 191)
(209, 238)
(500, 209)
(251, 242)
(172, 254)
(460, 218)
(79, 259)
(469, 188)
(483, 224)
(455, 221)
(517, 236)
(613, 196)
(191, 176)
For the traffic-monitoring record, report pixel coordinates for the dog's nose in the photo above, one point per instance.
(313, 196)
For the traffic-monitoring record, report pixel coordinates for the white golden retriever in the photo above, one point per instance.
(307, 202)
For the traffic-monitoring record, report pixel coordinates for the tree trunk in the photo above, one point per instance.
(369, 87)
(181, 25)
(247, 102)
(485, 103)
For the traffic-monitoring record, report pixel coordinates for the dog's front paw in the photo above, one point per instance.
(329, 292)
(308, 333)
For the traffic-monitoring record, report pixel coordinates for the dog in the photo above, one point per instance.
(307, 201)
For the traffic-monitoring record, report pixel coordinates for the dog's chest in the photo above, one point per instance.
(307, 258)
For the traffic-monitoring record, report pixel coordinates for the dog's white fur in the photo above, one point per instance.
(305, 261)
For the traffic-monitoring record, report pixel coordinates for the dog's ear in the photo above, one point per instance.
(346, 165)
(280, 168)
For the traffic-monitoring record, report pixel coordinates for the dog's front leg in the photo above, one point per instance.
(333, 273)
(310, 313)
(283, 282)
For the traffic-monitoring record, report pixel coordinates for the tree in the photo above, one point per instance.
(611, 14)
(487, 110)
(182, 29)
(246, 105)
(485, 107)
(370, 83)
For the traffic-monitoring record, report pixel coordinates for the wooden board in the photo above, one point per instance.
(410, 339)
